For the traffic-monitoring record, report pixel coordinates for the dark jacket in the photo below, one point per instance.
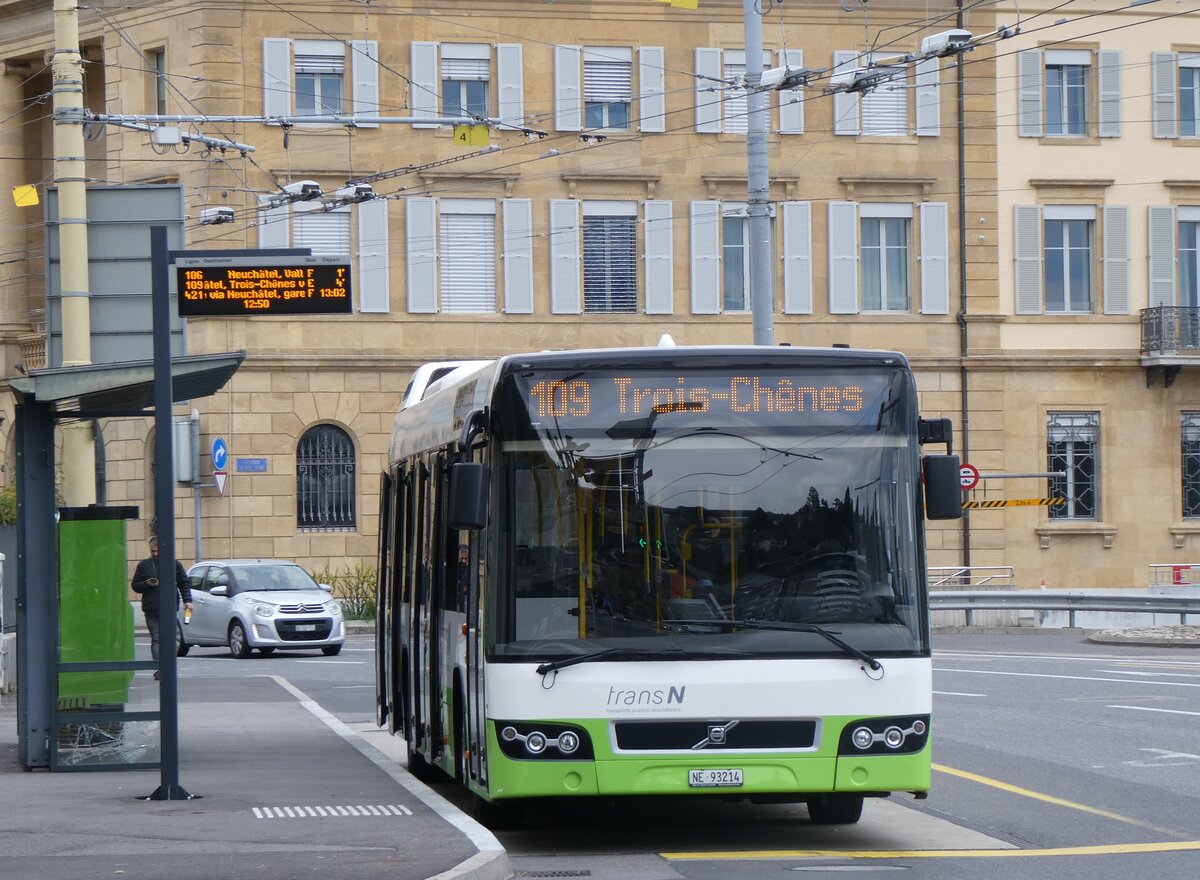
(147, 569)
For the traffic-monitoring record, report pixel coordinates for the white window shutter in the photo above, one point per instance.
(425, 86)
(1108, 75)
(1116, 260)
(708, 90)
(373, 269)
(797, 258)
(706, 257)
(274, 227)
(791, 101)
(565, 257)
(929, 97)
(1161, 224)
(277, 77)
(518, 256)
(652, 101)
(843, 258)
(510, 77)
(568, 88)
(659, 257)
(421, 222)
(1164, 74)
(364, 67)
(845, 104)
(935, 252)
(1029, 93)
(1027, 255)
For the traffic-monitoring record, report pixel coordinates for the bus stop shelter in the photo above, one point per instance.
(75, 705)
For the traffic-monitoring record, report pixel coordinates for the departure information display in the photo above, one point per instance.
(244, 286)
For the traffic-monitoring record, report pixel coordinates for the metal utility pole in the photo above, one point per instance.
(70, 177)
(758, 195)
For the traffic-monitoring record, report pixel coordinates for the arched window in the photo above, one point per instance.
(325, 484)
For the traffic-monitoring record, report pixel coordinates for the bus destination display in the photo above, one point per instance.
(278, 286)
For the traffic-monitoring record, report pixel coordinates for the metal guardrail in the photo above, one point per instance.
(1174, 574)
(1061, 600)
(970, 575)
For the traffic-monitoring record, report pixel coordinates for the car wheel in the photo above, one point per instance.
(835, 809)
(181, 647)
(331, 650)
(239, 645)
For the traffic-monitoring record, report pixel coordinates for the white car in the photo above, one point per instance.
(259, 604)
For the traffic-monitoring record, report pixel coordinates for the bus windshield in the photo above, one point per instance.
(653, 511)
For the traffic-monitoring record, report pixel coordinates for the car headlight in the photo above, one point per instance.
(264, 610)
(334, 607)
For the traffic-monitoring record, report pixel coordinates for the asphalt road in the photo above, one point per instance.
(1053, 757)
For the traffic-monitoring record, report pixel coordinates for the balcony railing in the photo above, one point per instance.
(1171, 330)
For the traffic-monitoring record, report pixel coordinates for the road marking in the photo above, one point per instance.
(955, 694)
(1151, 674)
(317, 812)
(1148, 709)
(1050, 799)
(352, 687)
(1180, 684)
(1101, 850)
(329, 662)
(970, 655)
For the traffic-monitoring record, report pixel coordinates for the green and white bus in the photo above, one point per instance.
(662, 571)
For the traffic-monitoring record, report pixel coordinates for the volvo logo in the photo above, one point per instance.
(717, 735)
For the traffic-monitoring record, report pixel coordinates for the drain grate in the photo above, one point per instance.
(355, 811)
(581, 873)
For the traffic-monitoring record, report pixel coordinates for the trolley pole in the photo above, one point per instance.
(758, 195)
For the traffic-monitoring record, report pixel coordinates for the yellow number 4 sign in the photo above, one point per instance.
(471, 135)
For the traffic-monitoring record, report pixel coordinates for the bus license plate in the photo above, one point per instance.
(714, 778)
(306, 627)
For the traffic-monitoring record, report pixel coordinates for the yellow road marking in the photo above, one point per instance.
(1102, 850)
(1050, 799)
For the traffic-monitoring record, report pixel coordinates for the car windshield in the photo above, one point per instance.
(261, 578)
(661, 531)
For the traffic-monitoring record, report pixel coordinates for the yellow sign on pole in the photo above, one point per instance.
(25, 195)
(1014, 502)
(471, 135)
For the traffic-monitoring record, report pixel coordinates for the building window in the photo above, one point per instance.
(1190, 459)
(885, 107)
(1189, 262)
(325, 480)
(465, 70)
(1189, 98)
(1068, 262)
(607, 87)
(1067, 92)
(1072, 445)
(467, 255)
(320, 69)
(885, 263)
(326, 232)
(735, 260)
(610, 257)
(158, 67)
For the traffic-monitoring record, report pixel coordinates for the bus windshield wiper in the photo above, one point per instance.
(788, 627)
(607, 654)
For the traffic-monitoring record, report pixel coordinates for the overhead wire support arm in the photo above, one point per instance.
(324, 119)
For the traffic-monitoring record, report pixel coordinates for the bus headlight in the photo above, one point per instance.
(543, 740)
(885, 736)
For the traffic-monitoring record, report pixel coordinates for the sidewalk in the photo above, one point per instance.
(281, 789)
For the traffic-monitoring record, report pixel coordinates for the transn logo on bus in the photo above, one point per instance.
(656, 697)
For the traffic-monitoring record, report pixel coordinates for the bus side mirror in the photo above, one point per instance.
(943, 488)
(468, 496)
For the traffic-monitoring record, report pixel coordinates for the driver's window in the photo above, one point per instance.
(217, 578)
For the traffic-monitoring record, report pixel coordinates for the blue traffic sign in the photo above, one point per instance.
(220, 454)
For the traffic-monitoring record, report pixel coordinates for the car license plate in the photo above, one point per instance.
(714, 778)
(306, 627)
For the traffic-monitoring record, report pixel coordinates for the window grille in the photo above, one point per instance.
(325, 480)
(1072, 442)
(610, 264)
(1190, 457)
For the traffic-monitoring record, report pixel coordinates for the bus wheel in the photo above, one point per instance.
(496, 815)
(835, 809)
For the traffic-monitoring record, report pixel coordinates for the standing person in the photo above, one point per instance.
(145, 583)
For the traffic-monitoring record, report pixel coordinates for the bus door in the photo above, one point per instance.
(398, 570)
(472, 605)
(443, 551)
(384, 633)
(422, 660)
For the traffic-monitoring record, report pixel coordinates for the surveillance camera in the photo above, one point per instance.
(303, 190)
(945, 43)
(214, 216)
